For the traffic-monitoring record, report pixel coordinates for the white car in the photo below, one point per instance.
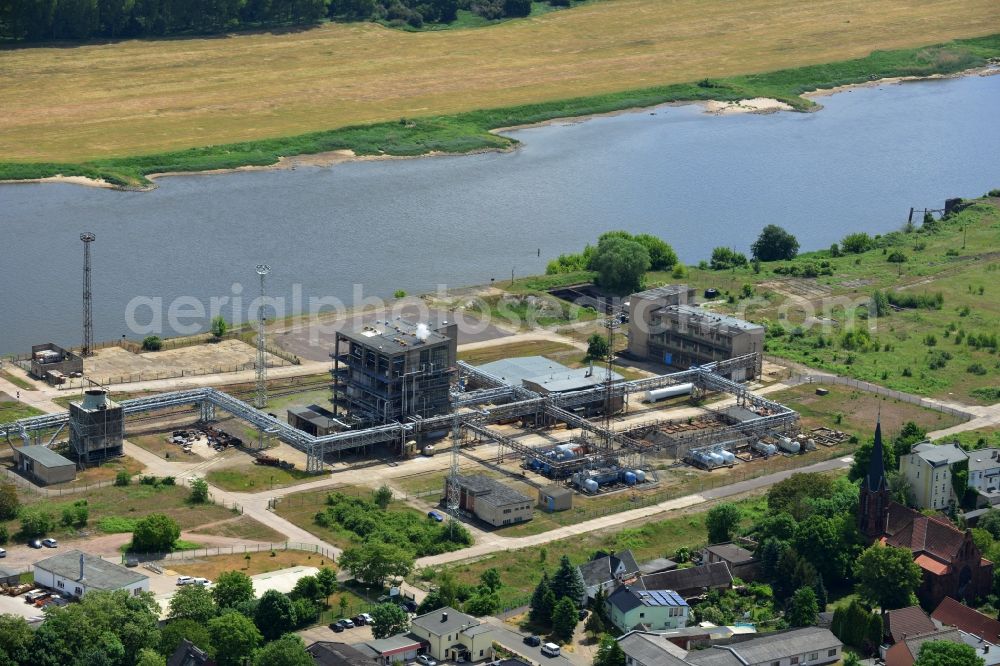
(184, 580)
(204, 582)
(368, 618)
(425, 660)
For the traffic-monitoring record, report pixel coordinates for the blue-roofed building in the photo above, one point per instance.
(631, 607)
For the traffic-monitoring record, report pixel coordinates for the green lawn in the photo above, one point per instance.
(17, 381)
(11, 410)
(257, 478)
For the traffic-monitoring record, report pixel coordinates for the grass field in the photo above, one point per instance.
(243, 527)
(11, 410)
(262, 562)
(557, 351)
(257, 478)
(18, 381)
(72, 110)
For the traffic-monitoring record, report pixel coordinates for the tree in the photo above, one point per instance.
(111, 626)
(661, 256)
(540, 611)
(383, 497)
(857, 243)
(233, 588)
(306, 587)
(289, 650)
(490, 579)
(567, 582)
(724, 258)
(156, 533)
(122, 478)
(819, 541)
(199, 492)
(621, 264)
(774, 244)
(597, 347)
(147, 657)
(389, 620)
(234, 637)
(887, 576)
(275, 615)
(564, 619)
(152, 343)
(792, 495)
(609, 653)
(15, 639)
(857, 627)
(192, 602)
(946, 653)
(307, 612)
(9, 502)
(327, 580)
(176, 630)
(770, 553)
(594, 625)
(36, 522)
(780, 526)
(721, 522)
(803, 609)
(863, 457)
(990, 521)
(484, 602)
(376, 561)
(219, 326)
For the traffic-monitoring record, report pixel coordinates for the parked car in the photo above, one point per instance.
(426, 660)
(409, 605)
(434, 515)
(550, 650)
(204, 582)
(3, 553)
(34, 543)
(335, 626)
(185, 580)
(583, 614)
(50, 543)
(533, 641)
(367, 618)
(358, 621)
(345, 623)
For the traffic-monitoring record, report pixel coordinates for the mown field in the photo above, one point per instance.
(73, 104)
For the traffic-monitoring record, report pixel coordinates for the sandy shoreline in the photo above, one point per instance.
(756, 105)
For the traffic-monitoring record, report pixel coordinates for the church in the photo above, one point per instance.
(952, 564)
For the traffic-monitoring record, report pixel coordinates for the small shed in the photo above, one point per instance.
(555, 498)
(8, 577)
(44, 466)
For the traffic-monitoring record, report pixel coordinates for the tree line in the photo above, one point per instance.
(36, 20)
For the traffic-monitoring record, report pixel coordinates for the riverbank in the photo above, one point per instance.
(476, 131)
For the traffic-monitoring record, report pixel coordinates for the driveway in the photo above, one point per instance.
(514, 641)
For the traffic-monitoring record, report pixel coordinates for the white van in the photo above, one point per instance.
(550, 650)
(184, 580)
(204, 582)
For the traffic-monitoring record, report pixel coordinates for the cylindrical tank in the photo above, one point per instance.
(629, 478)
(668, 392)
(727, 457)
(763, 447)
(716, 458)
(640, 476)
(788, 444)
(590, 486)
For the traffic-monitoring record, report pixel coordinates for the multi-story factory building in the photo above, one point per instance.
(395, 370)
(97, 426)
(665, 326)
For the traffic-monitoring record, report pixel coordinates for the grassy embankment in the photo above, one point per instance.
(933, 349)
(470, 131)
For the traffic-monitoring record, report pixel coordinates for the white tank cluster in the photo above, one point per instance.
(789, 445)
(668, 392)
(763, 448)
(591, 480)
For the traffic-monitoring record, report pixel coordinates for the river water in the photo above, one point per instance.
(696, 180)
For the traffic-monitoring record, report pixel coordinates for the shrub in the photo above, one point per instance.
(857, 243)
(930, 340)
(897, 257)
(976, 369)
(399, 293)
(925, 301)
(835, 251)
(724, 258)
(199, 492)
(152, 343)
(989, 393)
(857, 339)
(122, 478)
(938, 359)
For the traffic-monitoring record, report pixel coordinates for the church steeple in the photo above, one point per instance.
(873, 502)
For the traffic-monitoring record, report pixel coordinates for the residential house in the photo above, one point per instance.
(453, 635)
(690, 582)
(951, 613)
(606, 571)
(928, 468)
(810, 646)
(74, 573)
(984, 475)
(188, 654)
(655, 610)
(910, 621)
(951, 563)
(742, 563)
(905, 652)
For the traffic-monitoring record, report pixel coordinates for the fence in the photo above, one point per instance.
(131, 378)
(53, 492)
(182, 555)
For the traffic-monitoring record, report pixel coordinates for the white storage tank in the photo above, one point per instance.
(764, 448)
(789, 445)
(640, 476)
(727, 457)
(668, 392)
(590, 486)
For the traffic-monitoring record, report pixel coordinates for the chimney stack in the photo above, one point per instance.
(444, 617)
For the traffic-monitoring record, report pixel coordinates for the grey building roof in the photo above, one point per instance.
(329, 653)
(697, 316)
(45, 457)
(7, 573)
(984, 459)
(188, 654)
(660, 292)
(767, 648)
(98, 574)
(713, 657)
(939, 454)
(556, 491)
(446, 620)
(601, 570)
(651, 649)
(730, 553)
(624, 599)
(492, 491)
(478, 629)
(391, 643)
(546, 373)
(691, 581)
(657, 565)
(397, 335)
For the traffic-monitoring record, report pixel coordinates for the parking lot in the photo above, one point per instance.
(16, 606)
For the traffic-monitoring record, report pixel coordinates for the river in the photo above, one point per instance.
(696, 180)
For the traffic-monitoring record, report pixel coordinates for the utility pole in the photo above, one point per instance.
(88, 322)
(260, 401)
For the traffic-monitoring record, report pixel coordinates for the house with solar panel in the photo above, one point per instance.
(651, 610)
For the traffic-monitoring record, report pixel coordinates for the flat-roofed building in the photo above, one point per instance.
(547, 377)
(491, 501)
(75, 573)
(44, 466)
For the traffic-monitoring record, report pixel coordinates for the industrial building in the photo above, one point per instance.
(396, 370)
(491, 501)
(555, 498)
(74, 573)
(52, 363)
(44, 466)
(97, 425)
(544, 376)
(665, 326)
(314, 420)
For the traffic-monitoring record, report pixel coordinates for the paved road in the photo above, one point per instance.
(514, 641)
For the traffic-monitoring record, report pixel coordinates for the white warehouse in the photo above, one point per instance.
(74, 573)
